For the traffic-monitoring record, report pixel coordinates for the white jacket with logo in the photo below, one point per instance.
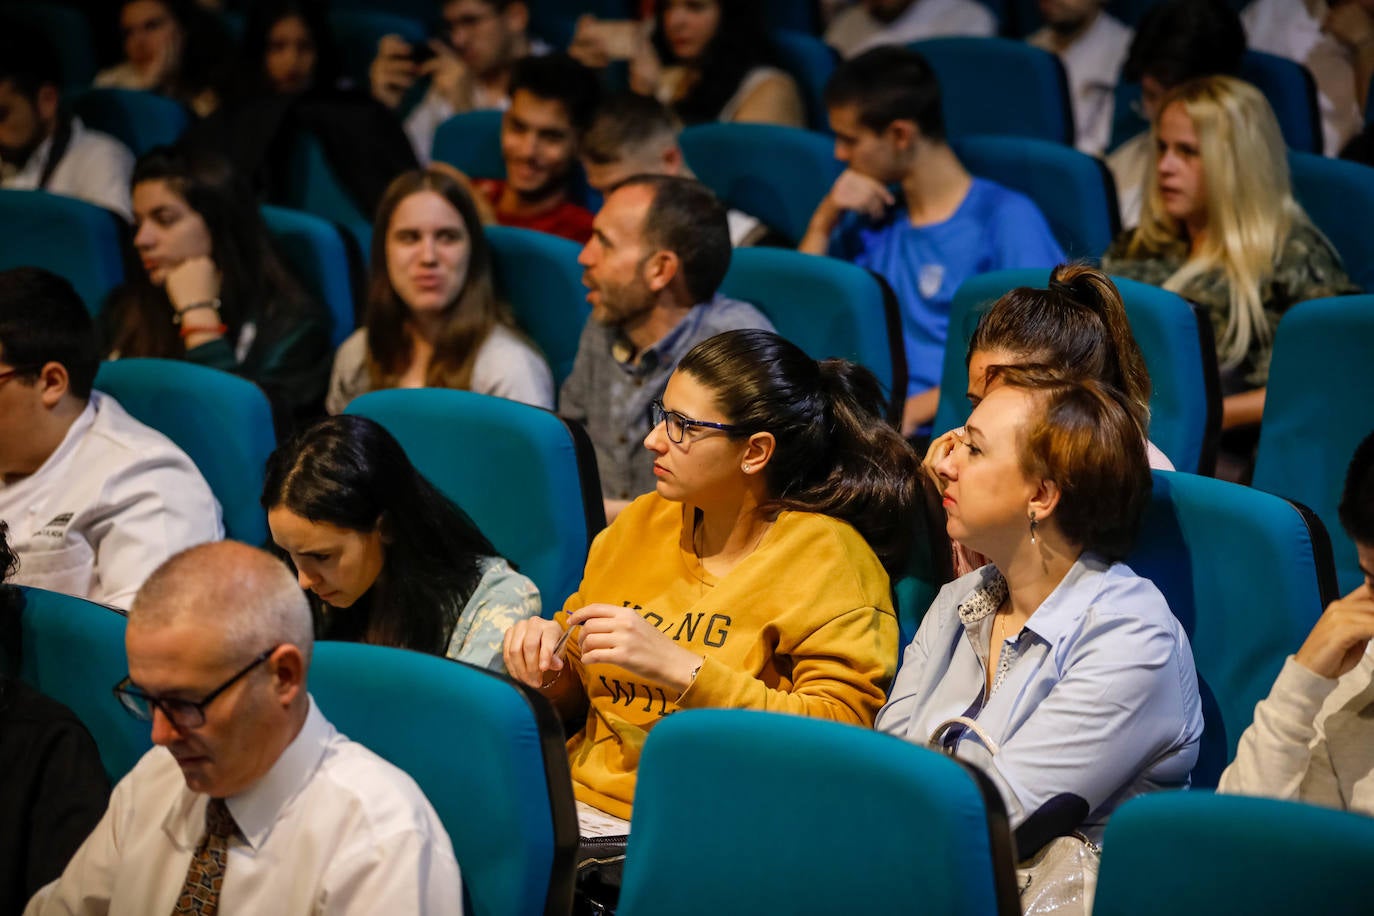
(108, 506)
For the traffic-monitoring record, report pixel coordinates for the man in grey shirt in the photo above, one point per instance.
(660, 247)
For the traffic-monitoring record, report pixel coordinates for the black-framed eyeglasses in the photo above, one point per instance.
(676, 425)
(183, 714)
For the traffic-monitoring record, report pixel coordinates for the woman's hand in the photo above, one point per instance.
(588, 47)
(646, 70)
(939, 450)
(528, 650)
(392, 71)
(619, 636)
(193, 280)
(450, 76)
(1341, 636)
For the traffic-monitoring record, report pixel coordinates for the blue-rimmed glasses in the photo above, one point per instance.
(184, 714)
(676, 425)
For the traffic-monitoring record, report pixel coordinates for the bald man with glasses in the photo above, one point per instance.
(251, 802)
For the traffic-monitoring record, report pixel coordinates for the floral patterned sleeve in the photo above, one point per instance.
(502, 598)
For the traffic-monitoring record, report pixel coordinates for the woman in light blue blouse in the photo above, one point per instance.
(1078, 677)
(386, 558)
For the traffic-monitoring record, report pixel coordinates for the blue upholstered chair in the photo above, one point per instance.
(1336, 194)
(357, 32)
(1247, 574)
(525, 477)
(538, 275)
(1000, 86)
(826, 307)
(70, 237)
(1176, 342)
(1193, 852)
(73, 651)
(1292, 93)
(223, 422)
(139, 120)
(1074, 191)
(488, 754)
(471, 143)
(1320, 404)
(314, 188)
(781, 188)
(810, 62)
(318, 257)
(770, 813)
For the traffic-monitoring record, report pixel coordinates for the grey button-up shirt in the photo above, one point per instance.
(610, 394)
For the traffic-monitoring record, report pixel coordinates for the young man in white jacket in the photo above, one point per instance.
(95, 500)
(1313, 737)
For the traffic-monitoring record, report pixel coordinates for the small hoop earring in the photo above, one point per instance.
(1033, 524)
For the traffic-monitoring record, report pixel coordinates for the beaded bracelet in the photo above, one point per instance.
(206, 304)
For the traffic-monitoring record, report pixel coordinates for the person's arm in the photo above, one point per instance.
(851, 191)
(502, 598)
(291, 358)
(920, 409)
(409, 872)
(1284, 754)
(1244, 409)
(1121, 704)
(773, 101)
(507, 367)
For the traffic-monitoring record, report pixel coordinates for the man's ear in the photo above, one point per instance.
(46, 104)
(287, 665)
(516, 17)
(903, 132)
(660, 269)
(671, 160)
(53, 383)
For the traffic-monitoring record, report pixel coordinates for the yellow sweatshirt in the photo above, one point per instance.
(803, 625)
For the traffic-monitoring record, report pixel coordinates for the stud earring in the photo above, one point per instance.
(1033, 524)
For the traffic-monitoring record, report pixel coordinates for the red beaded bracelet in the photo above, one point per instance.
(219, 330)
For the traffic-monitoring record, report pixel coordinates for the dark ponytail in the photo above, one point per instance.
(835, 453)
(1077, 326)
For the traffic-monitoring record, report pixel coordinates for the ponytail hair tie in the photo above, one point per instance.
(1062, 288)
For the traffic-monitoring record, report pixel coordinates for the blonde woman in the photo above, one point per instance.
(1219, 225)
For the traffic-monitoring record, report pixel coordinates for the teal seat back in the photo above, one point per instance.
(223, 422)
(1334, 192)
(471, 143)
(1193, 852)
(826, 307)
(524, 476)
(1176, 343)
(1247, 574)
(357, 32)
(1074, 191)
(1312, 421)
(810, 62)
(771, 813)
(139, 120)
(1000, 86)
(317, 256)
(488, 754)
(781, 187)
(73, 651)
(1292, 93)
(315, 189)
(538, 275)
(69, 237)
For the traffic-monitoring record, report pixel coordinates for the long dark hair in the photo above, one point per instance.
(740, 44)
(254, 281)
(468, 319)
(1079, 325)
(206, 50)
(835, 453)
(349, 472)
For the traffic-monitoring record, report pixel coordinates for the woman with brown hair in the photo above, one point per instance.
(433, 319)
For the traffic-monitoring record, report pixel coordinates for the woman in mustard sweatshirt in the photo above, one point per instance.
(753, 577)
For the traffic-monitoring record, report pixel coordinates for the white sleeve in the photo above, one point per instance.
(409, 873)
(507, 367)
(423, 120)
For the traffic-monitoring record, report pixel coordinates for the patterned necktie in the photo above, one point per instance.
(200, 894)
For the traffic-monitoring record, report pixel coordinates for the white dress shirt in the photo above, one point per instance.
(1093, 64)
(1293, 29)
(332, 828)
(854, 30)
(113, 501)
(95, 168)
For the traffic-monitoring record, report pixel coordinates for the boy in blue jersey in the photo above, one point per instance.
(907, 209)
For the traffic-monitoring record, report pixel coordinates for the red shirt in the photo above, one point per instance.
(566, 219)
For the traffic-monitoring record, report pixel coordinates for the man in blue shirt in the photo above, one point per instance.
(907, 209)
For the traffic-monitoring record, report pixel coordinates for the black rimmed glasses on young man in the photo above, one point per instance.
(181, 713)
(676, 425)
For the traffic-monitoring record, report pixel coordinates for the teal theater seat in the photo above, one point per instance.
(223, 422)
(771, 813)
(1319, 405)
(73, 651)
(488, 754)
(1247, 574)
(537, 274)
(1292, 93)
(471, 143)
(526, 477)
(1336, 194)
(318, 257)
(139, 120)
(69, 237)
(810, 62)
(1193, 852)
